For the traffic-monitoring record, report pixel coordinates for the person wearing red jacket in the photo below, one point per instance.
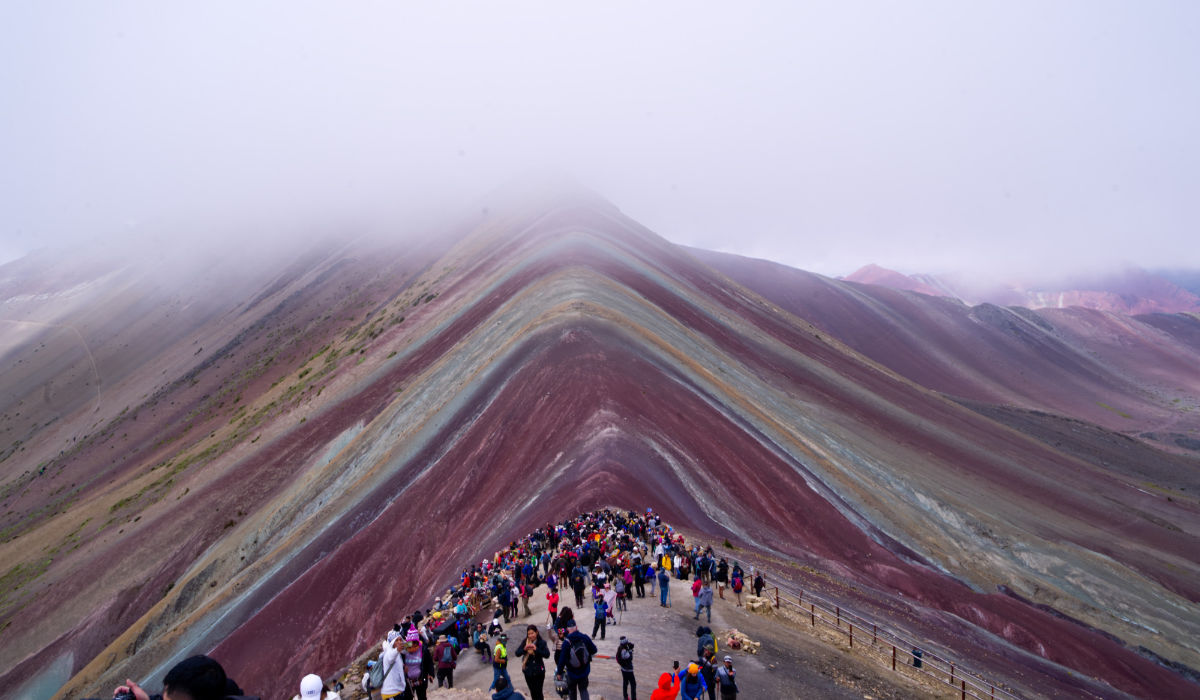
(552, 604)
(668, 686)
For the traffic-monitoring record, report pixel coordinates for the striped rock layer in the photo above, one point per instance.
(276, 461)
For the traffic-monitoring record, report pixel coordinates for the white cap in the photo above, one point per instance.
(311, 687)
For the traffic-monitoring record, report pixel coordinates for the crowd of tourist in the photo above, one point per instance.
(604, 558)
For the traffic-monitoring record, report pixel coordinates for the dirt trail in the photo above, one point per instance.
(790, 664)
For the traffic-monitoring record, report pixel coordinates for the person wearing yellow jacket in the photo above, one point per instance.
(500, 661)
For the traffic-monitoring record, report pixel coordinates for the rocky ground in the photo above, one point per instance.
(793, 660)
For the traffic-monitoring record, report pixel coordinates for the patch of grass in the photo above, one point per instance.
(1105, 406)
(18, 577)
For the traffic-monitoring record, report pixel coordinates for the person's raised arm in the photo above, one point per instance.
(130, 689)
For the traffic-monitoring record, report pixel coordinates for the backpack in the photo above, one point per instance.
(448, 655)
(625, 653)
(707, 642)
(376, 674)
(577, 655)
(737, 584)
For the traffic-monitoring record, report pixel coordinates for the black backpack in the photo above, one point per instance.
(577, 654)
(625, 654)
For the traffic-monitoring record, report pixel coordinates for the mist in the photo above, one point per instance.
(926, 137)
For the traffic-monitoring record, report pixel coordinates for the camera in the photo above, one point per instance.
(337, 686)
(127, 695)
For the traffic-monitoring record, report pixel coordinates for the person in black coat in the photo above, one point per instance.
(533, 653)
(575, 660)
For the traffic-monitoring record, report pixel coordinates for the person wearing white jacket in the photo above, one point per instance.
(393, 679)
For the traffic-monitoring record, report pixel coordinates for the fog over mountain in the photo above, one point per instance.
(938, 137)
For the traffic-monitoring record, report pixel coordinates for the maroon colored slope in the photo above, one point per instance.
(1130, 374)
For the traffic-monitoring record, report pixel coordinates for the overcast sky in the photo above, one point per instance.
(924, 136)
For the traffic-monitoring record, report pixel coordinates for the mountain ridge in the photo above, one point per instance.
(1130, 290)
(566, 342)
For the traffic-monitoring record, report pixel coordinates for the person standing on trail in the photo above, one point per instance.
(577, 587)
(625, 661)
(418, 664)
(668, 685)
(650, 574)
(610, 600)
(500, 661)
(664, 582)
(552, 605)
(446, 658)
(759, 584)
(601, 607)
(708, 671)
(722, 577)
(504, 597)
(691, 683)
(534, 652)
(621, 591)
(704, 601)
(735, 584)
(393, 670)
(525, 597)
(639, 579)
(696, 596)
(565, 617)
(575, 658)
(725, 676)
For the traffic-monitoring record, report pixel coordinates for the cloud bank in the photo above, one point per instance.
(923, 137)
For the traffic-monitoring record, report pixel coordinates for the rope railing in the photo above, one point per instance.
(868, 637)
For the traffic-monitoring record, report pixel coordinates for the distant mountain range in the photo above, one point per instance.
(1130, 290)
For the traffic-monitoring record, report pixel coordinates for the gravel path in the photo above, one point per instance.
(792, 662)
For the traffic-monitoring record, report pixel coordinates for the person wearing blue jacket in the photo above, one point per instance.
(691, 683)
(601, 607)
